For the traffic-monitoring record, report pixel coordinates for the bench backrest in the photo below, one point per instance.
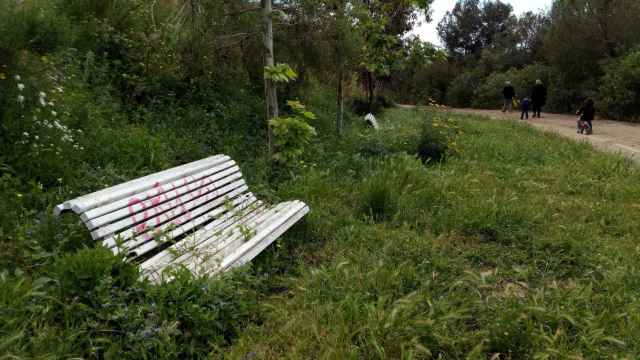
(136, 215)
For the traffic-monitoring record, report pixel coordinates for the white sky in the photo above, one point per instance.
(428, 32)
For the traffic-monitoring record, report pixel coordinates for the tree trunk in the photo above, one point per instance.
(370, 90)
(340, 99)
(271, 96)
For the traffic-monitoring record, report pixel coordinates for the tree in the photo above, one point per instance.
(383, 24)
(469, 28)
(271, 94)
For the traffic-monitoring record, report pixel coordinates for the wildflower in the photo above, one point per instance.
(20, 86)
(17, 78)
(26, 134)
(37, 137)
(42, 94)
(60, 89)
(20, 99)
(54, 113)
(51, 103)
(42, 102)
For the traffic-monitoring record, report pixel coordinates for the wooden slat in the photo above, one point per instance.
(167, 257)
(161, 192)
(105, 196)
(143, 215)
(197, 215)
(214, 246)
(251, 249)
(218, 217)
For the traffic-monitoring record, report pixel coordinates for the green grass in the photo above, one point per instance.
(521, 244)
(516, 242)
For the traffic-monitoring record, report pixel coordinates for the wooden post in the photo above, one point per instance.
(271, 96)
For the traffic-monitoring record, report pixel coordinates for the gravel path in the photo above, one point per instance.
(613, 136)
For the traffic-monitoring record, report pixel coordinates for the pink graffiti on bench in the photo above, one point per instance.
(159, 206)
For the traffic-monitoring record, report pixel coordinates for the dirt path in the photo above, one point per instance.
(612, 136)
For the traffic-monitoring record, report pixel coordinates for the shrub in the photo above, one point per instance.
(82, 272)
(292, 134)
(433, 144)
(620, 90)
(461, 90)
(488, 95)
(392, 179)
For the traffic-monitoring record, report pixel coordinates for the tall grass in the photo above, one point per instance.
(521, 245)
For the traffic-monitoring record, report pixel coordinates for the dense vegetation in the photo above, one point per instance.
(437, 236)
(578, 48)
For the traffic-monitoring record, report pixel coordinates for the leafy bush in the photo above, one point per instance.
(292, 134)
(81, 273)
(488, 95)
(33, 26)
(433, 144)
(620, 90)
(460, 92)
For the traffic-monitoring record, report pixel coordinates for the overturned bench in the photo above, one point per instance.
(200, 216)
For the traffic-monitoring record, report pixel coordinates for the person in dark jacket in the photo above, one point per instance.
(587, 113)
(538, 98)
(508, 93)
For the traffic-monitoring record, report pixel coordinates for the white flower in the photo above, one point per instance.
(54, 113)
(60, 89)
(42, 94)
(26, 134)
(17, 77)
(20, 99)
(51, 103)
(42, 102)
(37, 137)
(20, 86)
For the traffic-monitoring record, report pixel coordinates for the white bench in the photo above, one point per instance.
(199, 215)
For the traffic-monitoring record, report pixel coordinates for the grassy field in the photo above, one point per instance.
(507, 244)
(519, 244)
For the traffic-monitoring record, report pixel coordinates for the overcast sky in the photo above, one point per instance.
(428, 32)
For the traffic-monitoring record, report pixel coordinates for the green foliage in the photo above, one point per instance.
(393, 179)
(620, 92)
(461, 91)
(280, 73)
(81, 274)
(433, 143)
(488, 95)
(496, 252)
(292, 134)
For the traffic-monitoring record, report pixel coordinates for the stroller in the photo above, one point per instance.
(584, 127)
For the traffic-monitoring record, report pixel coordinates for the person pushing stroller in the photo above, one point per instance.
(587, 113)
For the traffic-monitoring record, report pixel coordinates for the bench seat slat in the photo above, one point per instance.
(160, 193)
(218, 251)
(168, 256)
(217, 243)
(248, 251)
(243, 203)
(101, 197)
